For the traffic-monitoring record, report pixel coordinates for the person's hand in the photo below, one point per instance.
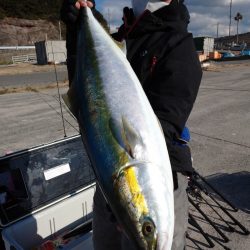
(82, 3)
(70, 9)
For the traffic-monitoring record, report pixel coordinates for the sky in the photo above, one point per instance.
(208, 17)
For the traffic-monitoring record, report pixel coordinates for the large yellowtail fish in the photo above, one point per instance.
(123, 138)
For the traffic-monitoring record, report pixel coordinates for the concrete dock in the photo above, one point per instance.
(220, 144)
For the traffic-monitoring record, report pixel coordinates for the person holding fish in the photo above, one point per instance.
(162, 55)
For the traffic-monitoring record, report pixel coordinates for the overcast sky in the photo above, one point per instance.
(206, 15)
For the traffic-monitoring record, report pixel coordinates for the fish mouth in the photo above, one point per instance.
(163, 242)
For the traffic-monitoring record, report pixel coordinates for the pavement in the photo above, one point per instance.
(220, 144)
(24, 75)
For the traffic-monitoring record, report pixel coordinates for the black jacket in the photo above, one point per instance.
(69, 15)
(163, 56)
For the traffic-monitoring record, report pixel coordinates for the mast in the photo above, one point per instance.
(230, 18)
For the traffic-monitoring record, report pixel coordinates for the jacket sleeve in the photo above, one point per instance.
(174, 87)
(69, 15)
(172, 92)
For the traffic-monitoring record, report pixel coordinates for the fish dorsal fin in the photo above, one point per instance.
(132, 140)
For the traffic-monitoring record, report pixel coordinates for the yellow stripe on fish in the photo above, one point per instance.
(138, 199)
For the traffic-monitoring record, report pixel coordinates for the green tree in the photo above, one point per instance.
(37, 9)
(31, 9)
(237, 18)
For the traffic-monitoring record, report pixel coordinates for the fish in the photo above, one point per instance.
(122, 137)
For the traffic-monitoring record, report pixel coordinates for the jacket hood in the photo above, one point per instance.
(174, 17)
(139, 6)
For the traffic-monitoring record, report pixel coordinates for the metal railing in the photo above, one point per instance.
(16, 47)
(30, 58)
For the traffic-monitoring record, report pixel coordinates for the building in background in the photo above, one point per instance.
(51, 52)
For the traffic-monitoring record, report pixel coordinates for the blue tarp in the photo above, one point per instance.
(245, 53)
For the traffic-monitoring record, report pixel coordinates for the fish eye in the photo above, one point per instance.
(148, 228)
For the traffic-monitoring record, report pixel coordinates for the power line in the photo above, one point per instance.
(57, 112)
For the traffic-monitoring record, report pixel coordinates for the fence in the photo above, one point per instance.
(16, 47)
(31, 58)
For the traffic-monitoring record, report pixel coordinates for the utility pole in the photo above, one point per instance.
(230, 18)
(108, 20)
(218, 29)
(60, 31)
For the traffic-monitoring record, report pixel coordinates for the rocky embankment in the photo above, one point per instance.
(18, 32)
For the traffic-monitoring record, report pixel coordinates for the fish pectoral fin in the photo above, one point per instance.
(127, 137)
(116, 128)
(132, 140)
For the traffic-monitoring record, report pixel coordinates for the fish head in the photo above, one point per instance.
(142, 233)
(153, 238)
(147, 210)
(148, 232)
